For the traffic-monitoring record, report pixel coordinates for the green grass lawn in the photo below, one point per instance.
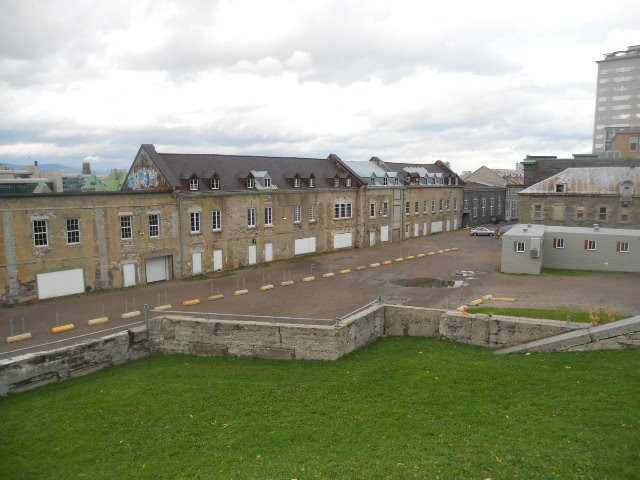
(547, 313)
(400, 408)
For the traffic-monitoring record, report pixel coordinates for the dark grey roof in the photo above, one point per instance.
(438, 167)
(232, 169)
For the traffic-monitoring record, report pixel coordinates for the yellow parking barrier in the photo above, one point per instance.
(213, 298)
(328, 275)
(399, 259)
(410, 257)
(387, 262)
(440, 251)
(462, 308)
(361, 267)
(503, 299)
(286, 283)
(19, 338)
(188, 303)
(63, 328)
(476, 302)
(446, 249)
(98, 321)
(264, 288)
(374, 265)
(420, 255)
(431, 253)
(134, 313)
(162, 308)
(237, 293)
(309, 279)
(344, 271)
(486, 297)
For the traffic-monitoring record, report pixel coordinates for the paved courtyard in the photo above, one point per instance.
(332, 297)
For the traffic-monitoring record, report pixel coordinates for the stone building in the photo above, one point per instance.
(483, 204)
(511, 180)
(608, 196)
(183, 214)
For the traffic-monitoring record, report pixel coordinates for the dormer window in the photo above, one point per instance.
(559, 187)
(336, 182)
(385, 181)
(455, 181)
(193, 184)
(251, 183)
(312, 182)
(267, 182)
(296, 182)
(396, 181)
(215, 183)
(348, 182)
(372, 181)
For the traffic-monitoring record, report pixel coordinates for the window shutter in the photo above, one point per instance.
(515, 246)
(617, 246)
(585, 244)
(555, 242)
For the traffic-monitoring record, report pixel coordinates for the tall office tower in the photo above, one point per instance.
(617, 97)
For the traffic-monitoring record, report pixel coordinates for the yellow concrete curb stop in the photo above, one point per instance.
(134, 313)
(309, 279)
(374, 265)
(410, 257)
(19, 338)
(344, 271)
(213, 298)
(63, 328)
(328, 275)
(420, 255)
(287, 283)
(194, 301)
(361, 267)
(98, 321)
(399, 259)
(161, 308)
(266, 287)
(237, 293)
(387, 262)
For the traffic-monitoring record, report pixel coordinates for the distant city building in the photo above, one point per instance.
(86, 168)
(617, 101)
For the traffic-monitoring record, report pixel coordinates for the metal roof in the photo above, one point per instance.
(537, 230)
(588, 181)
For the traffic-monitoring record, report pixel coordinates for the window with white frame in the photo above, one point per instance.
(484, 206)
(194, 222)
(251, 182)
(624, 247)
(313, 212)
(416, 207)
(537, 212)
(491, 200)
(634, 144)
(267, 182)
(126, 227)
(372, 210)
(268, 216)
(342, 210)
(215, 183)
(455, 204)
(251, 217)
(312, 182)
(40, 233)
(396, 181)
(385, 181)
(558, 243)
(602, 214)
(193, 184)
(441, 204)
(336, 182)
(154, 225)
(520, 247)
(448, 205)
(433, 206)
(296, 182)
(73, 230)
(407, 208)
(216, 220)
(475, 207)
(297, 213)
(385, 209)
(372, 181)
(591, 244)
(348, 182)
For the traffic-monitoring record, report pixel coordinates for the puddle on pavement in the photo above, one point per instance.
(428, 282)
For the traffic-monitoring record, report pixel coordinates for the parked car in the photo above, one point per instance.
(481, 231)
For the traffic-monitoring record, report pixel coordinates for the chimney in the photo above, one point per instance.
(86, 168)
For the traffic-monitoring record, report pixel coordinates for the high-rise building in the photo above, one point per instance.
(617, 96)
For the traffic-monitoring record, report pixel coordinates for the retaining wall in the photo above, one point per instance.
(32, 370)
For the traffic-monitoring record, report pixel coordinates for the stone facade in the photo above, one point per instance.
(483, 204)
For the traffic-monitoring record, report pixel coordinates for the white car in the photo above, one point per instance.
(481, 231)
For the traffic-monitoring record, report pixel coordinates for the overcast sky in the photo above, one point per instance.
(473, 83)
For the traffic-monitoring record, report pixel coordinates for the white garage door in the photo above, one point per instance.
(57, 284)
(305, 245)
(384, 233)
(157, 269)
(436, 227)
(342, 240)
(196, 261)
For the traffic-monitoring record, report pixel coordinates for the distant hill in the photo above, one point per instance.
(46, 167)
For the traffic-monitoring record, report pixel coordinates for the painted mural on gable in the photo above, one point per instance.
(144, 176)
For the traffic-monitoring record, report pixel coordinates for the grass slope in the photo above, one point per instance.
(547, 313)
(400, 408)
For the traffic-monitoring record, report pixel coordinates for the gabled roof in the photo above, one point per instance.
(176, 167)
(588, 181)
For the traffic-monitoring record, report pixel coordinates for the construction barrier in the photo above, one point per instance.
(161, 308)
(266, 287)
(134, 313)
(344, 271)
(286, 283)
(309, 279)
(387, 262)
(188, 303)
(328, 275)
(237, 293)
(63, 328)
(374, 265)
(361, 267)
(213, 298)
(19, 338)
(98, 321)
